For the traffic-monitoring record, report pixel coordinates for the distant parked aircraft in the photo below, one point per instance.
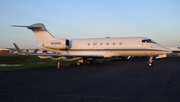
(36, 51)
(24, 51)
(174, 49)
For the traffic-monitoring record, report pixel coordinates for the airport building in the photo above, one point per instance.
(13, 51)
(4, 51)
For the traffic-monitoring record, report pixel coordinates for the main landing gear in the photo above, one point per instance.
(89, 61)
(150, 62)
(80, 62)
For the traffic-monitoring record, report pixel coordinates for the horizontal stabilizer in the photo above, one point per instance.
(39, 31)
(18, 26)
(32, 27)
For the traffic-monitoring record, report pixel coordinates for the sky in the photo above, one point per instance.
(158, 20)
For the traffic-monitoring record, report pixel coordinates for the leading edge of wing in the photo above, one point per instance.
(68, 55)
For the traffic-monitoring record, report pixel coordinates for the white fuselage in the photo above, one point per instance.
(108, 47)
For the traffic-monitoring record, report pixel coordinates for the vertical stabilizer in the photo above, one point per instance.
(40, 32)
(17, 48)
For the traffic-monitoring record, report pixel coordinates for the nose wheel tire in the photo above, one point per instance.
(150, 64)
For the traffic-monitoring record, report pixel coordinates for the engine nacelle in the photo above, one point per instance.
(57, 44)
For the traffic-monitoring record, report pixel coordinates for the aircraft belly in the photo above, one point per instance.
(84, 52)
(110, 53)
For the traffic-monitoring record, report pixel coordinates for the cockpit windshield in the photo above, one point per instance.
(148, 41)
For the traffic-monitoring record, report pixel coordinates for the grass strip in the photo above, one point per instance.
(29, 62)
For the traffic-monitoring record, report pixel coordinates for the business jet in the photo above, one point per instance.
(92, 48)
(174, 49)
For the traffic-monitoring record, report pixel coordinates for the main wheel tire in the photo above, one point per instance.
(89, 62)
(78, 63)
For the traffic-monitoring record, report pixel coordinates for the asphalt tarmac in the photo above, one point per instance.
(108, 81)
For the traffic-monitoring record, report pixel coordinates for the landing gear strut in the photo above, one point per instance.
(150, 62)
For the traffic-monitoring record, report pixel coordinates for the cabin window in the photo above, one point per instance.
(107, 44)
(120, 43)
(114, 43)
(88, 44)
(101, 44)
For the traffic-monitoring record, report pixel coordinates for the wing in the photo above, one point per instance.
(69, 55)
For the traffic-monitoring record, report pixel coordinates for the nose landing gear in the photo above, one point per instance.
(150, 62)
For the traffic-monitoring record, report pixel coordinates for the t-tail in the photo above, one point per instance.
(39, 31)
